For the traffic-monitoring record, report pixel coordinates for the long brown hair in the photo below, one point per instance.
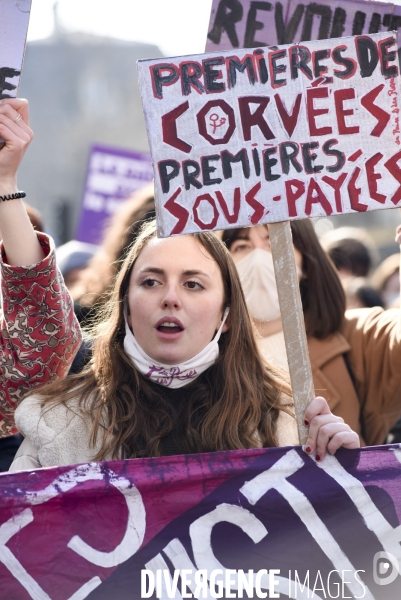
(322, 295)
(233, 404)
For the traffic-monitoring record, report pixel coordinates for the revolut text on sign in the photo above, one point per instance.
(250, 24)
(271, 134)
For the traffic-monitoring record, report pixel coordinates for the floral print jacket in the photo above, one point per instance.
(39, 333)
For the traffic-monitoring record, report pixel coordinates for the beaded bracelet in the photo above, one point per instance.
(15, 196)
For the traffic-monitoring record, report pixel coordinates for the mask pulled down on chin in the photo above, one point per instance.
(256, 272)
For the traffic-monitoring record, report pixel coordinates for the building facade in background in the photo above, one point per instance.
(82, 90)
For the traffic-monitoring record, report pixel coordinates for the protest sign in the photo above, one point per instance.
(14, 19)
(260, 521)
(267, 135)
(113, 174)
(249, 24)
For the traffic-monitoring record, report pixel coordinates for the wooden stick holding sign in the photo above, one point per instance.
(267, 135)
(293, 321)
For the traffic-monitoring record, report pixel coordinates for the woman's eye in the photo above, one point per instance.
(194, 285)
(241, 248)
(149, 283)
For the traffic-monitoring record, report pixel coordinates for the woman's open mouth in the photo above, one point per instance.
(167, 327)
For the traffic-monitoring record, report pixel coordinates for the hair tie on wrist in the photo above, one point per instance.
(15, 196)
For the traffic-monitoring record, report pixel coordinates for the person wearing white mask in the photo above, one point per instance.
(355, 354)
(252, 255)
(175, 370)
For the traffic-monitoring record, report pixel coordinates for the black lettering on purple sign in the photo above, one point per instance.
(268, 163)
(338, 26)
(375, 23)
(310, 158)
(7, 73)
(207, 169)
(229, 12)
(288, 153)
(319, 10)
(286, 34)
(227, 159)
(212, 74)
(190, 177)
(252, 25)
(359, 23)
(392, 22)
(368, 55)
(166, 175)
(327, 149)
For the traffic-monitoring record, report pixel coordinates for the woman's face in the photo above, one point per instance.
(175, 299)
(251, 238)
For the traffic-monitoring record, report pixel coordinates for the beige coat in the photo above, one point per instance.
(60, 435)
(371, 337)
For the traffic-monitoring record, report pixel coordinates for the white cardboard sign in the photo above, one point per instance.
(273, 134)
(14, 20)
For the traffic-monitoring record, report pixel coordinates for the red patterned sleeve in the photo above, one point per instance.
(39, 332)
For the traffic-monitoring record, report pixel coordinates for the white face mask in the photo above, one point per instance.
(256, 273)
(172, 376)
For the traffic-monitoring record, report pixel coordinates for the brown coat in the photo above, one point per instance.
(371, 339)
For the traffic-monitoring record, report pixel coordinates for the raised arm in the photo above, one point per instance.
(39, 333)
(21, 244)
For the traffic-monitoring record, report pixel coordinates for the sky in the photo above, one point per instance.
(177, 27)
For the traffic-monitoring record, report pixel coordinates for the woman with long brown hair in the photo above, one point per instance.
(175, 369)
(355, 354)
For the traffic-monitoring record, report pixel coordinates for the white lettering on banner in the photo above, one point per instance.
(130, 543)
(275, 478)
(136, 524)
(7, 530)
(201, 533)
(86, 589)
(389, 537)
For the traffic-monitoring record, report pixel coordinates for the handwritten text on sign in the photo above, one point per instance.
(249, 24)
(275, 133)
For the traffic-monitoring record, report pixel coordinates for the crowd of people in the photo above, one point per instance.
(182, 348)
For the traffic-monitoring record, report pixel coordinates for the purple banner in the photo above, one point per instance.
(113, 174)
(259, 523)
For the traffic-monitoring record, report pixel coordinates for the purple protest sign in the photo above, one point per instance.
(250, 523)
(248, 24)
(113, 174)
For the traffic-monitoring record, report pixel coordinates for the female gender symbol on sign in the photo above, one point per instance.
(213, 121)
